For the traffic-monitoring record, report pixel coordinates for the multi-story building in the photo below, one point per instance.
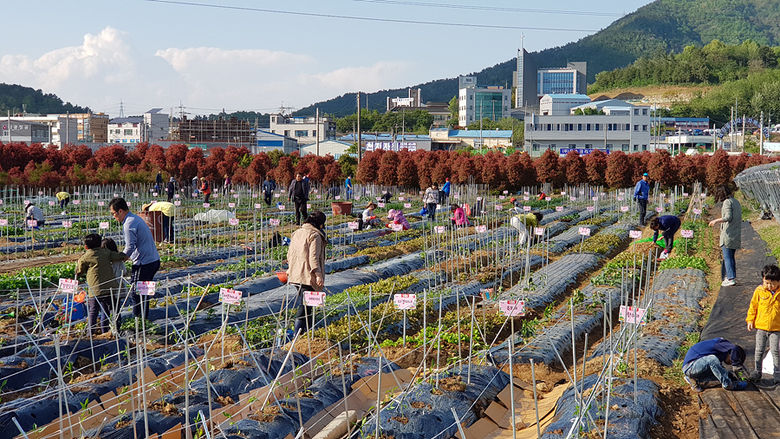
(443, 138)
(230, 131)
(477, 103)
(125, 130)
(62, 129)
(561, 104)
(610, 125)
(266, 141)
(14, 130)
(439, 110)
(303, 129)
(413, 100)
(156, 126)
(531, 82)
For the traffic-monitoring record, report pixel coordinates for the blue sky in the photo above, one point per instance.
(151, 54)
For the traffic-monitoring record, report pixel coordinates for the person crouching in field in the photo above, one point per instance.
(97, 264)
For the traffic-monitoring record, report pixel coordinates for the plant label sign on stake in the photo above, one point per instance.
(234, 195)
(405, 301)
(1, 201)
(258, 206)
(233, 221)
(526, 198)
(145, 287)
(206, 205)
(230, 296)
(135, 194)
(499, 207)
(103, 225)
(456, 196)
(539, 231)
(559, 208)
(659, 209)
(66, 224)
(501, 197)
(633, 315)
(624, 208)
(231, 205)
(584, 231)
(526, 208)
(279, 195)
(380, 205)
(591, 208)
(512, 308)
(401, 198)
(686, 233)
(547, 198)
(407, 205)
(76, 201)
(281, 207)
(174, 196)
(51, 203)
(573, 198)
(439, 229)
(635, 234)
(4, 222)
(487, 293)
(314, 298)
(337, 197)
(177, 203)
(505, 192)
(274, 222)
(353, 225)
(620, 198)
(481, 229)
(697, 211)
(101, 203)
(397, 227)
(32, 223)
(68, 285)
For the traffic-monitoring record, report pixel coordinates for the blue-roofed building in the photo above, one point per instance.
(266, 141)
(444, 138)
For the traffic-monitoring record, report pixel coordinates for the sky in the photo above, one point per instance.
(257, 55)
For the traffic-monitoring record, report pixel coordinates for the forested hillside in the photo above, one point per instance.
(16, 98)
(662, 26)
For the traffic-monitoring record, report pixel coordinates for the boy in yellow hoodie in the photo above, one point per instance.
(764, 316)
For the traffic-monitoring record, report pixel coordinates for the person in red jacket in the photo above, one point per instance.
(205, 187)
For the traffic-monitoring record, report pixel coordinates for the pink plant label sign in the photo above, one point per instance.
(635, 234)
(633, 315)
(314, 298)
(145, 288)
(584, 231)
(68, 285)
(230, 296)
(512, 308)
(405, 301)
(686, 233)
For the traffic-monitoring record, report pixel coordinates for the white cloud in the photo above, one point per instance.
(106, 69)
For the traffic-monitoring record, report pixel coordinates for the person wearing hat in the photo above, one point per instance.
(397, 217)
(33, 212)
(64, 198)
(703, 363)
(368, 217)
(641, 194)
(168, 210)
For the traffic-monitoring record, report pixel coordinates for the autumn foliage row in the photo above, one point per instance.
(35, 165)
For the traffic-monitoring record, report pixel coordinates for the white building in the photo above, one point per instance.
(156, 126)
(14, 130)
(561, 104)
(610, 125)
(62, 129)
(477, 103)
(266, 141)
(125, 130)
(303, 129)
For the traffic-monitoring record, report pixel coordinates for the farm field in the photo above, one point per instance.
(430, 332)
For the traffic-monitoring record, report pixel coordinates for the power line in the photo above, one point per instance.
(372, 19)
(490, 8)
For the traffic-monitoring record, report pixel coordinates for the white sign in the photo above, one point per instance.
(526, 208)
(352, 225)
(314, 298)
(76, 201)
(3, 222)
(338, 197)
(501, 197)
(559, 208)
(635, 234)
(659, 209)
(230, 296)
(145, 287)
(632, 314)
(380, 205)
(401, 198)
(456, 196)
(547, 198)
(573, 198)
(1, 201)
(397, 227)
(32, 223)
(279, 195)
(176, 202)
(526, 198)
(26, 202)
(697, 211)
(439, 229)
(481, 229)
(233, 221)
(231, 205)
(66, 224)
(258, 206)
(584, 231)
(624, 208)
(68, 285)
(154, 194)
(206, 205)
(539, 231)
(101, 203)
(274, 222)
(686, 233)
(499, 207)
(563, 193)
(620, 198)
(405, 301)
(135, 194)
(103, 225)
(176, 196)
(51, 203)
(685, 194)
(595, 198)
(407, 205)
(234, 195)
(505, 192)
(512, 308)
(591, 208)
(281, 207)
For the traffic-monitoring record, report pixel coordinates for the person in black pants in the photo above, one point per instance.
(269, 185)
(298, 192)
(641, 194)
(668, 225)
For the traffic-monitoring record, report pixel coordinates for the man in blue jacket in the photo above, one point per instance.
(444, 193)
(641, 193)
(703, 363)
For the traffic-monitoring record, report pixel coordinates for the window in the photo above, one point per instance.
(579, 127)
(314, 132)
(588, 145)
(636, 127)
(625, 147)
(549, 127)
(644, 127)
(301, 133)
(644, 147)
(129, 132)
(597, 126)
(587, 127)
(636, 147)
(535, 147)
(644, 112)
(628, 127)
(287, 133)
(636, 112)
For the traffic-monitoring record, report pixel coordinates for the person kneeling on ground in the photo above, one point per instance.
(458, 216)
(524, 222)
(368, 217)
(668, 225)
(703, 363)
(397, 217)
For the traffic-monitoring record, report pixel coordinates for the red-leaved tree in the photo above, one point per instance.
(618, 173)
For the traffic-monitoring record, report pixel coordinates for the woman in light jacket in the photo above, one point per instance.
(730, 233)
(306, 264)
(429, 200)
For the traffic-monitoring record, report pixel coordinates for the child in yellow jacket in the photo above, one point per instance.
(764, 316)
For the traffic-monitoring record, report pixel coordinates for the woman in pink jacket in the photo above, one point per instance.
(458, 216)
(397, 217)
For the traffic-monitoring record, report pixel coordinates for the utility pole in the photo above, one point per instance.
(360, 150)
(761, 135)
(317, 129)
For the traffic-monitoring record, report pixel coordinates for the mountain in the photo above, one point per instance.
(663, 25)
(16, 99)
